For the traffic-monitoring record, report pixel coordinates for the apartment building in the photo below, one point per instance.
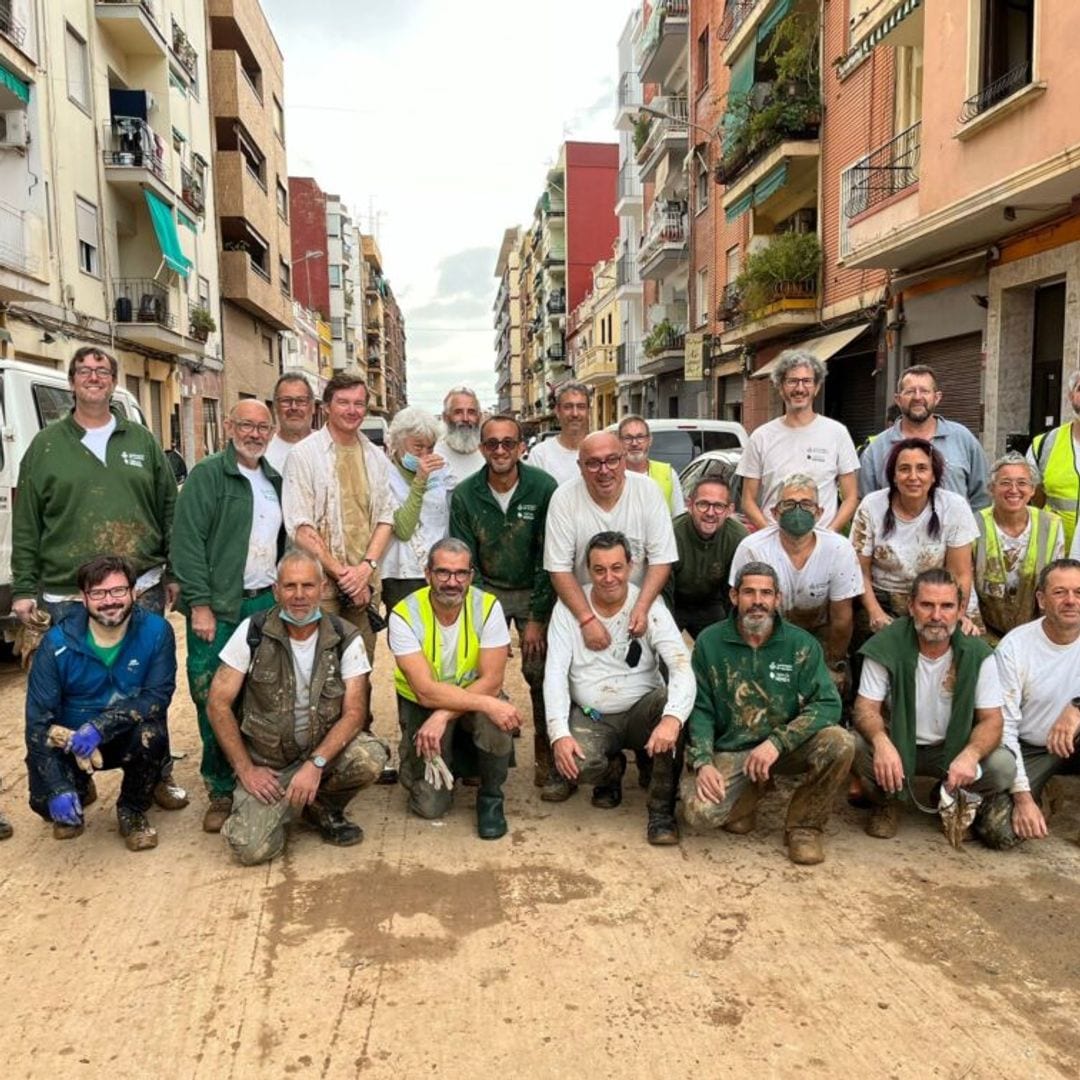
(507, 308)
(593, 337)
(302, 351)
(105, 239)
(394, 391)
(383, 328)
(252, 197)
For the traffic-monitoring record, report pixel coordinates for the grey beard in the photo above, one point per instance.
(756, 624)
(463, 438)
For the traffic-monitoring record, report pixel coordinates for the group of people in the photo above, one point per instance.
(912, 647)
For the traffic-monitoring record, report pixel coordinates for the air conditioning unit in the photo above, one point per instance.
(13, 130)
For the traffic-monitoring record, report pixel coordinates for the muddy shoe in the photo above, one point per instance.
(608, 795)
(556, 788)
(804, 846)
(663, 829)
(388, 777)
(217, 813)
(743, 816)
(138, 833)
(644, 769)
(334, 827)
(169, 795)
(6, 830)
(61, 831)
(884, 820)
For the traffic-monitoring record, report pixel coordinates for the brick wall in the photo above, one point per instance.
(307, 226)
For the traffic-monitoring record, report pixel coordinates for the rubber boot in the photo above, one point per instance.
(490, 819)
(662, 829)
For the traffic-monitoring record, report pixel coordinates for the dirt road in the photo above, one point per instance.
(569, 948)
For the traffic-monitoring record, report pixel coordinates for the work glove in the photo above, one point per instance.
(61, 737)
(85, 741)
(66, 809)
(28, 636)
(437, 774)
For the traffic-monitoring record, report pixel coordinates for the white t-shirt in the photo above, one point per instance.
(277, 453)
(909, 548)
(95, 439)
(1038, 679)
(503, 497)
(551, 456)
(403, 642)
(822, 449)
(354, 662)
(831, 573)
(933, 693)
(461, 466)
(261, 564)
(641, 514)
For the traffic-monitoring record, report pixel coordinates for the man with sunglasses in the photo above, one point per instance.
(226, 542)
(294, 408)
(500, 513)
(102, 681)
(450, 643)
(93, 481)
(600, 703)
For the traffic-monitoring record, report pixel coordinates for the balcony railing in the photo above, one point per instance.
(996, 91)
(627, 358)
(14, 252)
(666, 226)
(629, 90)
(735, 14)
(882, 173)
(184, 51)
(149, 6)
(142, 300)
(556, 351)
(771, 300)
(629, 183)
(133, 143)
(674, 124)
(10, 27)
(556, 303)
(729, 306)
(192, 190)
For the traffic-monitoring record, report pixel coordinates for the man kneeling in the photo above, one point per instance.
(298, 748)
(450, 643)
(765, 704)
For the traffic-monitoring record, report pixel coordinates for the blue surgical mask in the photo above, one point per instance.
(312, 617)
(410, 461)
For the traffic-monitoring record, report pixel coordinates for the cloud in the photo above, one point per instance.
(471, 272)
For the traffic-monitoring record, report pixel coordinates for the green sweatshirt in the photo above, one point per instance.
(699, 578)
(780, 691)
(70, 507)
(508, 549)
(213, 526)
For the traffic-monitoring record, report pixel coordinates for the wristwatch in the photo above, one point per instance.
(371, 562)
(1075, 702)
(318, 761)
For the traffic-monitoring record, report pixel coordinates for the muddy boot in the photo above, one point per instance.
(217, 813)
(138, 833)
(6, 830)
(884, 820)
(644, 769)
(663, 829)
(608, 794)
(61, 831)
(490, 817)
(333, 826)
(168, 794)
(543, 765)
(743, 816)
(388, 777)
(804, 846)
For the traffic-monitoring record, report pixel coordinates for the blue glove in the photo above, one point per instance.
(85, 741)
(66, 809)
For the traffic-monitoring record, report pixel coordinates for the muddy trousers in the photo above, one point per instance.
(491, 745)
(202, 662)
(140, 753)
(605, 739)
(826, 759)
(358, 617)
(255, 831)
(517, 607)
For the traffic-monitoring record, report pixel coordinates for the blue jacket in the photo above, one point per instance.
(69, 685)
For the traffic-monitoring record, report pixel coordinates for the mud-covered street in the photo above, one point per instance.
(569, 948)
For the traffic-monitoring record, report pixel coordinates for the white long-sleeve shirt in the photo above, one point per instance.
(574, 674)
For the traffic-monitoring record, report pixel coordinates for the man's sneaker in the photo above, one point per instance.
(138, 833)
(388, 777)
(61, 831)
(334, 827)
(217, 813)
(884, 820)
(804, 846)
(556, 788)
(169, 795)
(663, 829)
(6, 830)
(608, 795)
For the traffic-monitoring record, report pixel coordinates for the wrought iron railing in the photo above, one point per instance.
(191, 189)
(666, 226)
(735, 14)
(183, 50)
(556, 303)
(673, 122)
(629, 184)
(133, 143)
(11, 27)
(882, 173)
(142, 300)
(629, 90)
(997, 91)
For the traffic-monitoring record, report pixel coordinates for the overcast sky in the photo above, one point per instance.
(443, 118)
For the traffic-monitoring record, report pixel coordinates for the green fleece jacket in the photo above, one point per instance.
(210, 538)
(70, 507)
(508, 549)
(699, 579)
(780, 691)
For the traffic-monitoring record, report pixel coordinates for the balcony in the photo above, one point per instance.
(248, 285)
(22, 255)
(134, 27)
(884, 22)
(665, 145)
(597, 365)
(627, 280)
(193, 189)
(184, 51)
(665, 37)
(142, 313)
(781, 181)
(996, 92)
(556, 303)
(627, 362)
(736, 13)
(664, 248)
(552, 204)
(12, 27)
(135, 158)
(664, 348)
(628, 193)
(783, 308)
(629, 101)
(240, 193)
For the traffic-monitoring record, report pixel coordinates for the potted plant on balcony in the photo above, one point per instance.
(787, 268)
(202, 323)
(641, 132)
(663, 336)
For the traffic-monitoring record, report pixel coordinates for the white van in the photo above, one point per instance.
(375, 428)
(678, 441)
(30, 398)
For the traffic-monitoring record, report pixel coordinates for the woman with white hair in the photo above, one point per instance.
(419, 484)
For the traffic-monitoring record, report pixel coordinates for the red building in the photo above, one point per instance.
(592, 170)
(310, 245)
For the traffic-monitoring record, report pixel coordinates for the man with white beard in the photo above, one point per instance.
(460, 446)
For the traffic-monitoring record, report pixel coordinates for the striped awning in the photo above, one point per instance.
(767, 186)
(17, 86)
(877, 36)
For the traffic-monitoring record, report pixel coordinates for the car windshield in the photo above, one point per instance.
(679, 448)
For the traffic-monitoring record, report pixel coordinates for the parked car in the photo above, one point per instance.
(376, 429)
(721, 464)
(30, 398)
(678, 442)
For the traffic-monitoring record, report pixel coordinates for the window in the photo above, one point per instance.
(282, 201)
(86, 229)
(279, 120)
(78, 69)
(333, 224)
(211, 426)
(1008, 32)
(204, 293)
(334, 270)
(702, 296)
(285, 274)
(52, 403)
(909, 83)
(732, 263)
(702, 71)
(701, 188)
(268, 345)
(337, 328)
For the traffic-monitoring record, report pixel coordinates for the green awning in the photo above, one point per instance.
(740, 206)
(165, 228)
(186, 221)
(770, 183)
(741, 83)
(775, 16)
(16, 85)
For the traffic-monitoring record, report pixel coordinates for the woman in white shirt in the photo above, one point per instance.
(421, 492)
(911, 526)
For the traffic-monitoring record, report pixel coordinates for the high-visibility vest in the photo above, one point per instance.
(1056, 459)
(664, 477)
(1001, 612)
(416, 609)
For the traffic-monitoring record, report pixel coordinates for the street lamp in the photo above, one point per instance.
(314, 253)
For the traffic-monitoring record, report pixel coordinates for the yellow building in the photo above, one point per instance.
(594, 334)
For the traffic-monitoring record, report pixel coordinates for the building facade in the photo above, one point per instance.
(594, 334)
(507, 308)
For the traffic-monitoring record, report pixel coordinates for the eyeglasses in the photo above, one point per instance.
(293, 402)
(703, 506)
(84, 372)
(611, 463)
(491, 445)
(799, 382)
(643, 437)
(246, 427)
(1014, 485)
(116, 592)
(797, 504)
(444, 576)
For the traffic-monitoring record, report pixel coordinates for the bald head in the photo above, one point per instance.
(599, 444)
(249, 427)
(603, 465)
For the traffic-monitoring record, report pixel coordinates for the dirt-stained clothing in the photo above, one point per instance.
(697, 590)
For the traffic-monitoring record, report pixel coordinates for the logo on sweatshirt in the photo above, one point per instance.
(779, 672)
(136, 461)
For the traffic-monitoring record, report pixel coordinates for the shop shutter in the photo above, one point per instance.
(957, 363)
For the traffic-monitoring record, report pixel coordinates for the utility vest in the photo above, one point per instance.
(1001, 611)
(662, 475)
(416, 609)
(1056, 460)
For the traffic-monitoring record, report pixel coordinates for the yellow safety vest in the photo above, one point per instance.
(663, 476)
(416, 609)
(1056, 460)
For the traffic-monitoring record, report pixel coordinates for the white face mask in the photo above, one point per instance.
(312, 617)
